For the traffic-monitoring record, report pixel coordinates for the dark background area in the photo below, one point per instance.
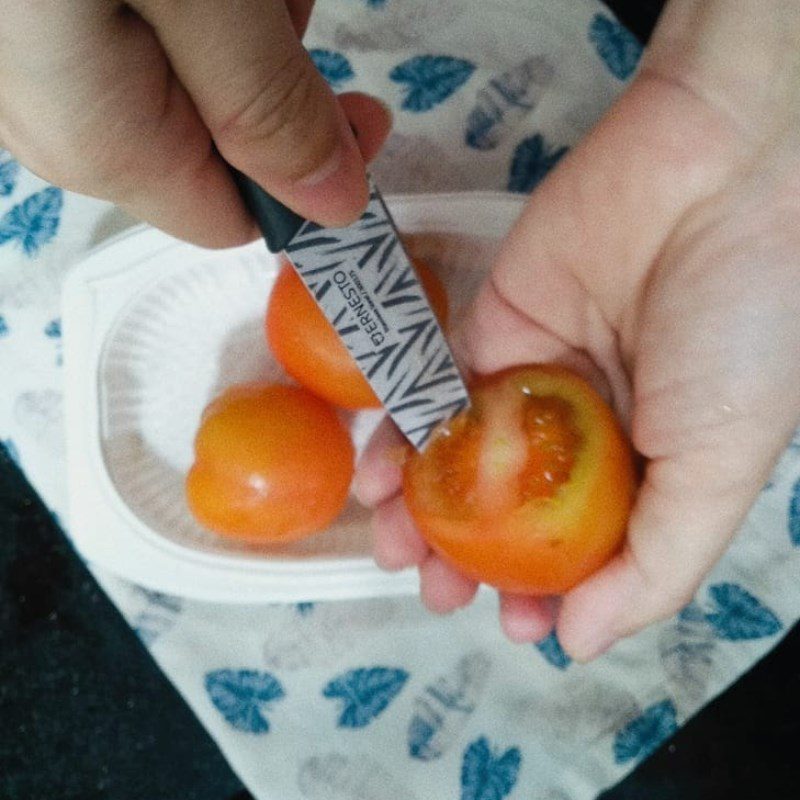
(86, 715)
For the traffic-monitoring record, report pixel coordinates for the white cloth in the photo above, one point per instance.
(364, 700)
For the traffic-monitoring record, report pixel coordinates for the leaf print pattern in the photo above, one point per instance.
(617, 47)
(242, 696)
(53, 329)
(643, 735)
(33, 222)
(507, 98)
(9, 170)
(532, 160)
(485, 775)
(4, 329)
(429, 80)
(445, 706)
(794, 515)
(336, 776)
(333, 66)
(552, 651)
(686, 647)
(365, 693)
(739, 615)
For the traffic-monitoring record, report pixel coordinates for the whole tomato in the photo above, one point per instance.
(308, 348)
(272, 463)
(530, 489)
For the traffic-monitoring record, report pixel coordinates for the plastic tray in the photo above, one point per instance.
(153, 329)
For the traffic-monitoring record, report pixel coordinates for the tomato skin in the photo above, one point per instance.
(273, 463)
(547, 544)
(308, 348)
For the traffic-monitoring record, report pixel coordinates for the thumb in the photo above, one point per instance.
(269, 110)
(688, 509)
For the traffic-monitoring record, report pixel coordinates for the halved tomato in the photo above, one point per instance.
(530, 489)
(308, 348)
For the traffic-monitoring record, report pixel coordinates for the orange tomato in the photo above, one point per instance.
(272, 463)
(528, 490)
(308, 348)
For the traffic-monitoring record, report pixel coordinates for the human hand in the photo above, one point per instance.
(122, 101)
(661, 260)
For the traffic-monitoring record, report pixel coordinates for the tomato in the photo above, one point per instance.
(272, 463)
(529, 489)
(308, 348)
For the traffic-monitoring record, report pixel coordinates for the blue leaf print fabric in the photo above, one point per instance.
(506, 98)
(333, 66)
(532, 160)
(365, 693)
(642, 736)
(242, 696)
(739, 615)
(53, 329)
(33, 222)
(304, 609)
(4, 329)
(485, 775)
(794, 515)
(552, 651)
(8, 176)
(444, 706)
(617, 47)
(429, 80)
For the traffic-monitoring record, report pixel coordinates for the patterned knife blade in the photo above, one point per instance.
(365, 284)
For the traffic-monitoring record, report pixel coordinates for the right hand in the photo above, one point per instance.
(122, 101)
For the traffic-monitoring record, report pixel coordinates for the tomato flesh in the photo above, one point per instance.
(530, 489)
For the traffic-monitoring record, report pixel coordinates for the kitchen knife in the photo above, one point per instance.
(364, 282)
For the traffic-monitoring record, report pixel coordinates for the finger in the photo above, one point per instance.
(113, 123)
(397, 542)
(443, 588)
(370, 120)
(526, 619)
(270, 112)
(686, 513)
(495, 335)
(379, 475)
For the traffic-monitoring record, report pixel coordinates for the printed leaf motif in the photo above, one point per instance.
(8, 177)
(336, 776)
(304, 609)
(429, 80)
(34, 221)
(241, 696)
(53, 329)
(686, 647)
(532, 160)
(485, 775)
(739, 615)
(365, 693)
(794, 515)
(617, 47)
(552, 651)
(333, 66)
(507, 98)
(443, 708)
(4, 329)
(643, 735)
(158, 615)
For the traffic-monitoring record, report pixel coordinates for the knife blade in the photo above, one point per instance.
(363, 280)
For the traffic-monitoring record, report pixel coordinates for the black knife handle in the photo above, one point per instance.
(278, 223)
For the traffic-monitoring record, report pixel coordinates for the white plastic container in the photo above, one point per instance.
(153, 329)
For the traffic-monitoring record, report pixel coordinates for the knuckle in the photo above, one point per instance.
(290, 100)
